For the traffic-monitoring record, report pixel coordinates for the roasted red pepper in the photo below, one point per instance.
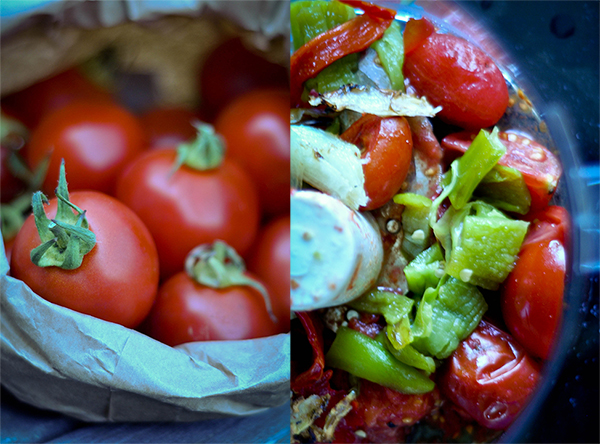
(354, 36)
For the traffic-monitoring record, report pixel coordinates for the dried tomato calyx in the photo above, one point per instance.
(66, 239)
(218, 265)
(205, 152)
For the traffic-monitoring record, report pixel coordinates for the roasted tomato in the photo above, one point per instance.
(456, 75)
(532, 295)
(96, 139)
(490, 376)
(386, 152)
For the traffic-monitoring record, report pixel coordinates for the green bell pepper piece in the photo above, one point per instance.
(415, 223)
(394, 307)
(483, 154)
(456, 311)
(485, 244)
(425, 270)
(504, 188)
(408, 355)
(366, 358)
(390, 50)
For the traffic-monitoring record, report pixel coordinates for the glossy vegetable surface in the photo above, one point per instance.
(456, 75)
(540, 168)
(117, 280)
(532, 296)
(186, 311)
(490, 376)
(187, 207)
(386, 152)
(269, 259)
(96, 140)
(255, 127)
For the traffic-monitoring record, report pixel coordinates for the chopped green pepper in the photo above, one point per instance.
(504, 188)
(409, 355)
(484, 244)
(394, 307)
(415, 223)
(366, 358)
(485, 151)
(390, 50)
(456, 312)
(425, 270)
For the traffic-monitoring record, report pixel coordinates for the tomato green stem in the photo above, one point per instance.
(218, 265)
(205, 152)
(66, 239)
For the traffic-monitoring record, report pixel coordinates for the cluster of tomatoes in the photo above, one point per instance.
(149, 208)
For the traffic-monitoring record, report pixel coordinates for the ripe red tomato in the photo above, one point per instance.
(231, 70)
(118, 278)
(532, 295)
(453, 73)
(386, 145)
(256, 129)
(540, 168)
(96, 139)
(552, 222)
(490, 376)
(269, 259)
(169, 126)
(186, 311)
(190, 207)
(32, 103)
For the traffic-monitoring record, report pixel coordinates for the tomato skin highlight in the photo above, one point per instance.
(256, 130)
(269, 259)
(186, 311)
(454, 74)
(118, 278)
(532, 295)
(386, 145)
(189, 207)
(96, 139)
(490, 376)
